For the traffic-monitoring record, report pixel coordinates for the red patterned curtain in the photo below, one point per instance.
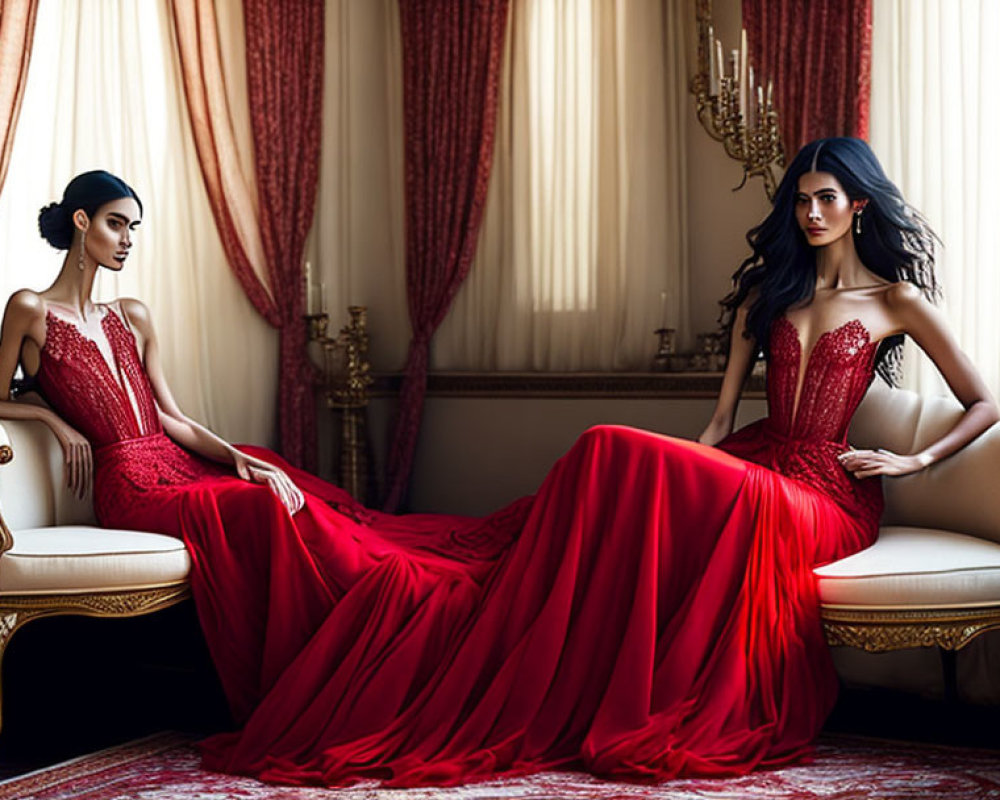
(818, 53)
(285, 86)
(451, 66)
(284, 43)
(17, 27)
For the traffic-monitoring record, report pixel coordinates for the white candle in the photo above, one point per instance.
(720, 66)
(743, 74)
(770, 88)
(751, 107)
(713, 78)
(310, 299)
(663, 309)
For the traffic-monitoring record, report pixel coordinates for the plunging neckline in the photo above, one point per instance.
(85, 334)
(110, 361)
(805, 360)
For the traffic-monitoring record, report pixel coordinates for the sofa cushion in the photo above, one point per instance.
(75, 559)
(915, 568)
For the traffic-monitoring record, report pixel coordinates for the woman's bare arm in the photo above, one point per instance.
(919, 319)
(738, 365)
(24, 319)
(190, 434)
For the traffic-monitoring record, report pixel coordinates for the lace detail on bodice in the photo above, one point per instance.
(803, 442)
(107, 399)
(836, 376)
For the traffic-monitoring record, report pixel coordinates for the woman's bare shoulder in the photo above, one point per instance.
(137, 314)
(26, 300)
(24, 307)
(903, 299)
(901, 293)
(907, 308)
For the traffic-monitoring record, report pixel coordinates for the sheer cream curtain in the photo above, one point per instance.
(103, 92)
(358, 248)
(935, 117)
(583, 249)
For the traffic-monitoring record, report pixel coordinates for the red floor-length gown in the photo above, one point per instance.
(650, 612)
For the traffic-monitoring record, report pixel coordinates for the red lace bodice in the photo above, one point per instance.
(106, 402)
(803, 440)
(837, 375)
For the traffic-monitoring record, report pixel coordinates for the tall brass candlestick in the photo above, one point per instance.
(347, 379)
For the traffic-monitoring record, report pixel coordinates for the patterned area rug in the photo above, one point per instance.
(165, 767)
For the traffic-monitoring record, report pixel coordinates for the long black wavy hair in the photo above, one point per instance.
(895, 243)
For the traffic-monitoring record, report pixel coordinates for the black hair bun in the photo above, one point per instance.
(56, 226)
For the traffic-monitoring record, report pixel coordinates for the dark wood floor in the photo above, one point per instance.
(75, 685)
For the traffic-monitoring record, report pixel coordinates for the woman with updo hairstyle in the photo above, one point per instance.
(86, 192)
(650, 613)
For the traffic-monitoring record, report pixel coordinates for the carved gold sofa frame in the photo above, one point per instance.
(57, 561)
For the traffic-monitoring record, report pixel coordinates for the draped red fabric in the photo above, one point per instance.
(650, 612)
(284, 42)
(818, 53)
(451, 67)
(17, 28)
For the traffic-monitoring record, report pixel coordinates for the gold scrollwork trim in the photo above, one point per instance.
(129, 603)
(881, 631)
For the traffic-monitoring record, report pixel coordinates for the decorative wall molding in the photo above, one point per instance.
(632, 385)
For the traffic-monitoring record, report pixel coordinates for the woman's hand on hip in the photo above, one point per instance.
(257, 471)
(868, 463)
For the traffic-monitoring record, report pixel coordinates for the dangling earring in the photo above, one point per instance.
(82, 264)
(857, 222)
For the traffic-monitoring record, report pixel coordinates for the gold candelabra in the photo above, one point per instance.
(733, 108)
(346, 381)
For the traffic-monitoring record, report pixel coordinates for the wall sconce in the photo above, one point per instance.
(732, 108)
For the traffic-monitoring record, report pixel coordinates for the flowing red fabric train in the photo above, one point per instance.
(649, 613)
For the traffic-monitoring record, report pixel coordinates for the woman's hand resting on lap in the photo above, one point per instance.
(77, 457)
(866, 463)
(257, 471)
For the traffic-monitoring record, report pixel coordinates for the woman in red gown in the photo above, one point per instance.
(649, 613)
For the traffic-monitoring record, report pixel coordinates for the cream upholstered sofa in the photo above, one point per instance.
(53, 560)
(933, 575)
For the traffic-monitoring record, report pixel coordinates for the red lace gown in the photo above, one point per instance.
(651, 612)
